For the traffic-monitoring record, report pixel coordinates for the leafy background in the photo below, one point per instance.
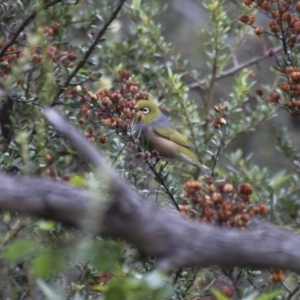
(188, 57)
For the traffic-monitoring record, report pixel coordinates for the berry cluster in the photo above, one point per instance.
(220, 121)
(283, 18)
(115, 109)
(63, 59)
(277, 275)
(147, 155)
(56, 175)
(53, 171)
(284, 25)
(221, 203)
(292, 86)
(52, 29)
(10, 57)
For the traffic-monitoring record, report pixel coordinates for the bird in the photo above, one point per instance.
(156, 132)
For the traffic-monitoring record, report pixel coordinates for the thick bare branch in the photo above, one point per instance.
(176, 241)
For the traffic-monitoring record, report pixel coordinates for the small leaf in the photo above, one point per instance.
(218, 294)
(20, 249)
(269, 296)
(48, 291)
(48, 262)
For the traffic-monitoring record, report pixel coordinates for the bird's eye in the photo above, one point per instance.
(145, 110)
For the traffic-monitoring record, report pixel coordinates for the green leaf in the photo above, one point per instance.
(78, 180)
(48, 262)
(218, 294)
(20, 249)
(115, 291)
(136, 4)
(103, 255)
(48, 291)
(278, 179)
(269, 296)
(46, 224)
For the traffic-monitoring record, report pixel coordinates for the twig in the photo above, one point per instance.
(22, 26)
(175, 241)
(88, 52)
(13, 232)
(283, 284)
(233, 136)
(12, 52)
(233, 70)
(220, 147)
(159, 179)
(192, 281)
(292, 293)
(254, 285)
(214, 72)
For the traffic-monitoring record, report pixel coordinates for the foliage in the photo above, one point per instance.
(93, 60)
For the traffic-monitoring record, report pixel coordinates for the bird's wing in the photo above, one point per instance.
(173, 135)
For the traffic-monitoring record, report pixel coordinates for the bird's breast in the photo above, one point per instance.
(153, 141)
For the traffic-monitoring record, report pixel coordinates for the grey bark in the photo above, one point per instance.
(121, 212)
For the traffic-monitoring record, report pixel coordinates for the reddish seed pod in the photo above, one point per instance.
(286, 87)
(244, 19)
(82, 121)
(55, 25)
(228, 188)
(72, 56)
(147, 154)
(271, 53)
(265, 6)
(134, 89)
(103, 139)
(252, 20)
(274, 95)
(155, 153)
(248, 2)
(286, 17)
(66, 177)
(259, 31)
(139, 155)
(259, 92)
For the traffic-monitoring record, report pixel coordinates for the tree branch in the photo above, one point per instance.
(177, 242)
(88, 52)
(22, 26)
(235, 69)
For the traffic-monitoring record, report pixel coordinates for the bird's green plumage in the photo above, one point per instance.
(157, 133)
(173, 135)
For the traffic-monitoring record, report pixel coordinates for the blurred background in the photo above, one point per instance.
(183, 24)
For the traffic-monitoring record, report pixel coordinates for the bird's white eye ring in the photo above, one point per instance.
(145, 110)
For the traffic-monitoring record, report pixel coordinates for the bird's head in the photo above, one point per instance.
(148, 112)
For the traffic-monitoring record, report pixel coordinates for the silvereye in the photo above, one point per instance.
(157, 133)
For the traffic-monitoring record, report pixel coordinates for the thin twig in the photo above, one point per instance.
(88, 52)
(22, 26)
(254, 285)
(236, 69)
(293, 292)
(192, 281)
(221, 146)
(159, 178)
(282, 283)
(210, 96)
